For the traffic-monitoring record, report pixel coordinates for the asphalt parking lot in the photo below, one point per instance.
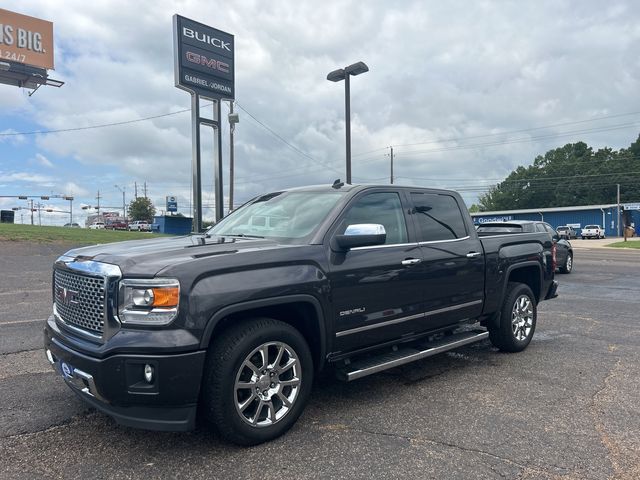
(568, 407)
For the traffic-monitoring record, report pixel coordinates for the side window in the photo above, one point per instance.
(438, 217)
(381, 208)
(550, 230)
(540, 227)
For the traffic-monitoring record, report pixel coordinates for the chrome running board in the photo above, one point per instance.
(368, 366)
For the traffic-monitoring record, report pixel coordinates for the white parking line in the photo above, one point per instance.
(16, 322)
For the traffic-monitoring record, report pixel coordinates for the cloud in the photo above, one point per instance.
(26, 177)
(71, 188)
(44, 161)
(447, 83)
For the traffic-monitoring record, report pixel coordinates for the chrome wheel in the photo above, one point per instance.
(522, 317)
(569, 263)
(267, 384)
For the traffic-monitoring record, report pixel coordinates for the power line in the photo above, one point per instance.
(291, 146)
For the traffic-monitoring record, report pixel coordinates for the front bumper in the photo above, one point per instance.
(116, 385)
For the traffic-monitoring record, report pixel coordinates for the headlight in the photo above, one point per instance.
(148, 301)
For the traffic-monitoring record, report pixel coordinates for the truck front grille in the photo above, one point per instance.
(80, 300)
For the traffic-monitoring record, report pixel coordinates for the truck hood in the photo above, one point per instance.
(151, 256)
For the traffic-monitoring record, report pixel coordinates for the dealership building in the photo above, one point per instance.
(577, 217)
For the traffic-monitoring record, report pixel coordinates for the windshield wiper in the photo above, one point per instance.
(241, 235)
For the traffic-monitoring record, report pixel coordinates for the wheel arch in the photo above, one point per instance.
(529, 273)
(303, 312)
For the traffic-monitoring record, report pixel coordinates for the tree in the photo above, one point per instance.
(568, 176)
(142, 209)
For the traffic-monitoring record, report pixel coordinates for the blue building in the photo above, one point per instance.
(172, 224)
(577, 217)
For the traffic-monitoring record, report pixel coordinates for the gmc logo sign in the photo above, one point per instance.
(209, 63)
(66, 296)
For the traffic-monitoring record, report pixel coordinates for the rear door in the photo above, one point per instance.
(453, 257)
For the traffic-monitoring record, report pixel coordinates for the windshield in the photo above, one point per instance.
(287, 216)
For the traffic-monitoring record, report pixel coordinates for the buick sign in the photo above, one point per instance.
(203, 59)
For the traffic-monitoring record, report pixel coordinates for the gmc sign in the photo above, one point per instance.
(203, 59)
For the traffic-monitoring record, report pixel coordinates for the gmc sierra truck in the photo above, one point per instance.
(235, 322)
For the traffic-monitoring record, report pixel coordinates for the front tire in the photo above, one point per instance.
(257, 380)
(517, 319)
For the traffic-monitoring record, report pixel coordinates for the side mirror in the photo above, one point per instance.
(361, 235)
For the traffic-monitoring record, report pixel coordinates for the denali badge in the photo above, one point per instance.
(352, 311)
(66, 296)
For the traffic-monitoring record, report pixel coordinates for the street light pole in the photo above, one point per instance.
(344, 74)
(124, 212)
(233, 119)
(347, 119)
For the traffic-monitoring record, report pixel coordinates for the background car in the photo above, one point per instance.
(564, 250)
(116, 225)
(97, 226)
(140, 226)
(565, 231)
(72, 225)
(592, 231)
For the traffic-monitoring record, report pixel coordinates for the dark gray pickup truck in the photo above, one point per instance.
(235, 322)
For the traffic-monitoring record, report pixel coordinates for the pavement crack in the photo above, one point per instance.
(599, 401)
(419, 439)
(4, 354)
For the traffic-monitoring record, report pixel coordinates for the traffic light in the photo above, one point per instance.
(22, 197)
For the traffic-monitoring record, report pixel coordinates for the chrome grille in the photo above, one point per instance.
(80, 300)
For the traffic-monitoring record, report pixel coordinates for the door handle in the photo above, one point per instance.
(411, 261)
(473, 254)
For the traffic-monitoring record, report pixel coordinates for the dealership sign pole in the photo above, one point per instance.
(204, 66)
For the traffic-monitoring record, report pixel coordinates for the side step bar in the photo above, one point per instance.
(371, 365)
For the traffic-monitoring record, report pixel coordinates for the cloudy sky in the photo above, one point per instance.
(463, 91)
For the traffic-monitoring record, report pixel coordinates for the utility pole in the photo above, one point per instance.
(31, 211)
(145, 189)
(39, 216)
(391, 165)
(98, 197)
(618, 196)
(135, 189)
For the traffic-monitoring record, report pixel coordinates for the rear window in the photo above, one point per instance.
(499, 229)
(438, 217)
(592, 226)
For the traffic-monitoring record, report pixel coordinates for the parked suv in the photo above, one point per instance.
(592, 231)
(567, 232)
(139, 225)
(97, 226)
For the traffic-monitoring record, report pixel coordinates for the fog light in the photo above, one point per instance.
(148, 373)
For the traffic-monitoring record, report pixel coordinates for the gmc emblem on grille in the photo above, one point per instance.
(66, 296)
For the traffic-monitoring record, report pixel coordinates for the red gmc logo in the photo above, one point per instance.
(66, 296)
(207, 62)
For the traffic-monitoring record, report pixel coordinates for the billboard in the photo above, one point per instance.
(26, 40)
(203, 59)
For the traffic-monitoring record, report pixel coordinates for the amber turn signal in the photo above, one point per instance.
(166, 296)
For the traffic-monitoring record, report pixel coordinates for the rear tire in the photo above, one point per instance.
(257, 380)
(517, 319)
(568, 264)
